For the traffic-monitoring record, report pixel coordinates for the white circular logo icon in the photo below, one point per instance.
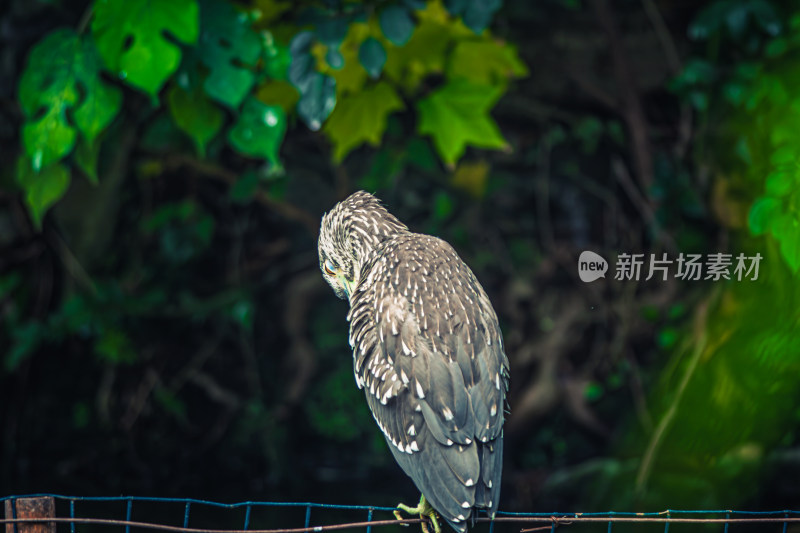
(591, 266)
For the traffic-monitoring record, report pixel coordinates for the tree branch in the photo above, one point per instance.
(210, 170)
(631, 105)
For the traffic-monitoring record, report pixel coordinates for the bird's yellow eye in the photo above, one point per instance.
(329, 268)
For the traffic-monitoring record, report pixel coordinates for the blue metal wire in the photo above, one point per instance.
(128, 515)
(247, 517)
(72, 515)
(249, 505)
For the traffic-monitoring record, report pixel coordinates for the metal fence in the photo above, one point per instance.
(41, 513)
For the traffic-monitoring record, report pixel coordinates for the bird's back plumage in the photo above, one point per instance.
(428, 352)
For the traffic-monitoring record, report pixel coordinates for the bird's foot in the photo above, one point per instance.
(424, 510)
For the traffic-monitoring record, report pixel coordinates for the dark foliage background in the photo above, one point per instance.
(165, 328)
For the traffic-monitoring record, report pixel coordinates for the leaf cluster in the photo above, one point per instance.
(222, 68)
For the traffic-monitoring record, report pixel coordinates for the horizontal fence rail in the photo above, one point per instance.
(36, 513)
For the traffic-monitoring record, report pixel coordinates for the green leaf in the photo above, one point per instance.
(278, 92)
(230, 49)
(272, 9)
(361, 118)
(85, 157)
(487, 62)
(766, 16)
(62, 77)
(709, 20)
(334, 58)
(318, 101)
(472, 178)
(135, 38)
(734, 15)
(785, 155)
(442, 206)
(457, 115)
(317, 91)
(589, 130)
(781, 182)
(420, 154)
(593, 391)
(276, 57)
(259, 131)
(382, 171)
(194, 114)
(331, 31)
(426, 51)
(351, 76)
(27, 338)
(171, 403)
(48, 139)
(245, 187)
(396, 24)
(372, 56)
(786, 229)
(477, 14)
(762, 213)
(667, 337)
(696, 72)
(42, 189)
(115, 347)
(302, 65)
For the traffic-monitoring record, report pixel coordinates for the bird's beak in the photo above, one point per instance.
(345, 285)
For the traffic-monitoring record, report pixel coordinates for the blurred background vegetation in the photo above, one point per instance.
(165, 330)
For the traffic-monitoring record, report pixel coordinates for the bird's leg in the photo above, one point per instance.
(424, 510)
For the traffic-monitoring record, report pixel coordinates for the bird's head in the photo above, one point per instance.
(349, 236)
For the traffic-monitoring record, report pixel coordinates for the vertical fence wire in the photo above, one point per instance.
(308, 515)
(128, 512)
(666, 524)
(785, 524)
(186, 514)
(727, 515)
(72, 515)
(247, 517)
(369, 519)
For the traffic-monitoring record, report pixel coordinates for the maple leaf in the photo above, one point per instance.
(485, 61)
(361, 118)
(457, 115)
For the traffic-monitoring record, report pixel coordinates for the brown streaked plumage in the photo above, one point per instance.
(427, 350)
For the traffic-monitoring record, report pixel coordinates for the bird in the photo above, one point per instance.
(428, 354)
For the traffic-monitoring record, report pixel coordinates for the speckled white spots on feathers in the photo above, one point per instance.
(428, 351)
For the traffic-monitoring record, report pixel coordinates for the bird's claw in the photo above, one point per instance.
(399, 516)
(425, 512)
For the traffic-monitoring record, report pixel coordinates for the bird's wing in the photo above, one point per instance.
(428, 352)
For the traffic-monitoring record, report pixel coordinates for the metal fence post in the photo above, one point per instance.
(41, 507)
